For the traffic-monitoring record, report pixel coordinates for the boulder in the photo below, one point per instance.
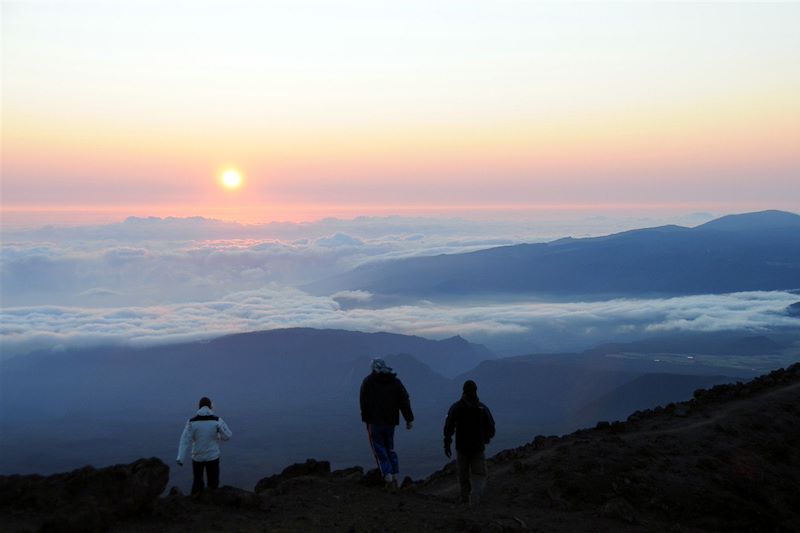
(354, 473)
(373, 478)
(311, 467)
(619, 509)
(86, 499)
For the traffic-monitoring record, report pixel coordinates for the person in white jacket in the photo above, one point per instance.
(203, 433)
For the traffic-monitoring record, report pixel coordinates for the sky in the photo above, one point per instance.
(111, 109)
(368, 131)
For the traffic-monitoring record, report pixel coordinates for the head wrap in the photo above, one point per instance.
(379, 366)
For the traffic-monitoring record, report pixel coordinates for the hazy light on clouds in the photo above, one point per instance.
(153, 281)
(355, 296)
(153, 261)
(48, 327)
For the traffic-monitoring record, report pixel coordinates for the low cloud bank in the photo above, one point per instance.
(535, 224)
(152, 281)
(24, 329)
(154, 261)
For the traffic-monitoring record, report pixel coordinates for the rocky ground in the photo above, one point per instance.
(728, 460)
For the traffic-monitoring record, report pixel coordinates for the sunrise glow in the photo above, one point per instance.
(231, 179)
(529, 103)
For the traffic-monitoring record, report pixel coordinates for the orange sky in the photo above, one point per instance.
(391, 110)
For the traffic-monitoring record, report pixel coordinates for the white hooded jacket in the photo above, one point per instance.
(203, 433)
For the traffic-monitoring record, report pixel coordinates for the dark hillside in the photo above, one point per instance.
(727, 460)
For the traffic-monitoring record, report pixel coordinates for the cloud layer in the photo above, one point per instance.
(150, 281)
(150, 261)
(48, 327)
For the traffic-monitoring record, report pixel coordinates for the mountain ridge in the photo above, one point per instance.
(110, 405)
(716, 257)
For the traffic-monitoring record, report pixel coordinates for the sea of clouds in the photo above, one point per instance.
(150, 281)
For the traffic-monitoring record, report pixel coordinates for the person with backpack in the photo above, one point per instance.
(473, 425)
(383, 397)
(202, 434)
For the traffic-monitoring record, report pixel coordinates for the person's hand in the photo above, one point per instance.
(447, 451)
(409, 425)
(179, 462)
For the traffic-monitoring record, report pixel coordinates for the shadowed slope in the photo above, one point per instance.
(729, 459)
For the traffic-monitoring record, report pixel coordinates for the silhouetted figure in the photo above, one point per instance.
(473, 425)
(383, 397)
(203, 433)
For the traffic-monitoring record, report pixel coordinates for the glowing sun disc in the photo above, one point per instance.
(231, 179)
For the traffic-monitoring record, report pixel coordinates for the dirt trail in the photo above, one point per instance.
(720, 412)
(448, 488)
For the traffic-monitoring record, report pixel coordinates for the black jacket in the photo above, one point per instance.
(472, 423)
(383, 397)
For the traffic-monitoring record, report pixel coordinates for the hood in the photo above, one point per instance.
(470, 400)
(204, 411)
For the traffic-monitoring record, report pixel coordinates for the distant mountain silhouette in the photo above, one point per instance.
(754, 251)
(771, 220)
(280, 390)
(289, 383)
(642, 393)
(552, 393)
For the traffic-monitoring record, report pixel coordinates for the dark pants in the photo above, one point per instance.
(381, 438)
(471, 465)
(212, 472)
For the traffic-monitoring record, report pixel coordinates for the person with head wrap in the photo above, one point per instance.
(473, 425)
(383, 397)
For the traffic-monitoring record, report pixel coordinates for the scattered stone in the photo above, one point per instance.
(311, 467)
(508, 525)
(373, 478)
(228, 496)
(681, 411)
(352, 473)
(618, 427)
(539, 442)
(619, 509)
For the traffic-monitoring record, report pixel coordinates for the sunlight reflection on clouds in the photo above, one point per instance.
(28, 328)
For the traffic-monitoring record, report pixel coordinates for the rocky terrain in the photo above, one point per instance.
(727, 460)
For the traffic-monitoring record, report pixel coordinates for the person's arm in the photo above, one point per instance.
(405, 405)
(184, 443)
(223, 430)
(363, 400)
(449, 429)
(489, 425)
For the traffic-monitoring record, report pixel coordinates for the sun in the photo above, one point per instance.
(231, 179)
